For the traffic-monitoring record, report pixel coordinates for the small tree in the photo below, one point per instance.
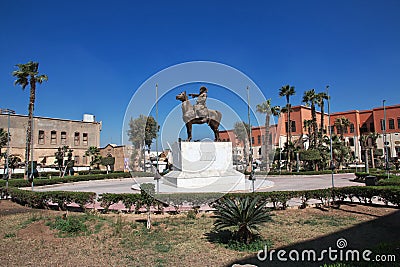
(142, 131)
(242, 132)
(311, 156)
(64, 166)
(108, 162)
(3, 139)
(147, 192)
(13, 162)
(95, 158)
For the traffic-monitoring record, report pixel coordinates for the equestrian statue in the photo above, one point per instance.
(199, 113)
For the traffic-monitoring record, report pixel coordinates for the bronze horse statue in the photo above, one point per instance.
(189, 117)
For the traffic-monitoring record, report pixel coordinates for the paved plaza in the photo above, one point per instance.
(262, 183)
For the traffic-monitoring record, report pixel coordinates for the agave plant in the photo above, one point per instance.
(243, 215)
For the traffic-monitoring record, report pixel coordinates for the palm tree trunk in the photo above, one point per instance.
(32, 96)
(314, 124)
(322, 119)
(289, 138)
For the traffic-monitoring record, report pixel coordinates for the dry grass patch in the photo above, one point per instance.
(173, 240)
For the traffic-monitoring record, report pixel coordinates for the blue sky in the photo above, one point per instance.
(97, 53)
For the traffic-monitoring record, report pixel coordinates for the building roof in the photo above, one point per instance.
(48, 118)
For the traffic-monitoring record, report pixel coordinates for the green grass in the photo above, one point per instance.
(10, 235)
(77, 225)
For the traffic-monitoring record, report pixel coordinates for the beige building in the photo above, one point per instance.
(112, 150)
(49, 134)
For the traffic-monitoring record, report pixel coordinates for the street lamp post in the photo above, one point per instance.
(332, 166)
(7, 173)
(251, 177)
(157, 175)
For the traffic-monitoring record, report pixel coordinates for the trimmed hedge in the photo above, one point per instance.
(303, 172)
(43, 199)
(378, 175)
(393, 181)
(279, 199)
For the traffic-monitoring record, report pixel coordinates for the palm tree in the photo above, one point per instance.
(242, 132)
(287, 91)
(342, 123)
(310, 98)
(341, 152)
(287, 109)
(242, 214)
(321, 97)
(29, 74)
(307, 124)
(268, 110)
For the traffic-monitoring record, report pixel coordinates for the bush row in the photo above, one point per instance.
(44, 199)
(392, 181)
(279, 199)
(378, 175)
(303, 172)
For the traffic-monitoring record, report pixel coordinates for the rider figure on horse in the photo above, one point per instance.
(200, 107)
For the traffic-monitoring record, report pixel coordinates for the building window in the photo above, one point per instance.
(53, 137)
(63, 138)
(331, 129)
(84, 160)
(344, 129)
(351, 127)
(85, 139)
(398, 123)
(76, 139)
(364, 128)
(293, 126)
(351, 141)
(76, 160)
(391, 124)
(41, 137)
(259, 139)
(372, 127)
(252, 140)
(383, 125)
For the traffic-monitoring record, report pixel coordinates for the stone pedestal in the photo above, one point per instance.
(204, 167)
